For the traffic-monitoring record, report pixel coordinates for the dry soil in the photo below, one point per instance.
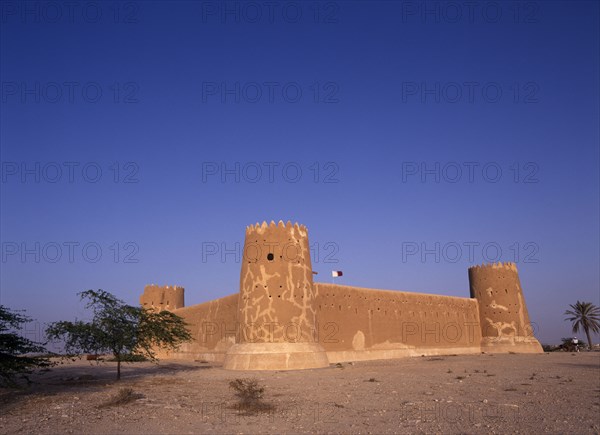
(552, 392)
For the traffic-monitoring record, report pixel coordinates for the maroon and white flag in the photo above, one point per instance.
(336, 273)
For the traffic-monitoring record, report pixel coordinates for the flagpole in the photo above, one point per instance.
(335, 274)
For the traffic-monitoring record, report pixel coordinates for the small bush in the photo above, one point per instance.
(250, 396)
(123, 396)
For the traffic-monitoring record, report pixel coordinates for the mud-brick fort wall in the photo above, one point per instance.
(214, 329)
(162, 297)
(281, 319)
(359, 323)
(503, 313)
(207, 322)
(276, 283)
(277, 302)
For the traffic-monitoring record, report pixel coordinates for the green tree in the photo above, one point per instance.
(120, 329)
(586, 316)
(15, 350)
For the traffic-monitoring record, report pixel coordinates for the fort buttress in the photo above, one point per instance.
(282, 320)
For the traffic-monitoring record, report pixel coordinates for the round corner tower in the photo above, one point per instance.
(276, 306)
(163, 297)
(503, 315)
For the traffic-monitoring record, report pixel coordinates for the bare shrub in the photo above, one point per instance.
(123, 397)
(250, 396)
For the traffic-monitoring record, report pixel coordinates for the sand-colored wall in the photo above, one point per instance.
(503, 312)
(214, 329)
(361, 323)
(277, 309)
(163, 297)
(276, 284)
(282, 320)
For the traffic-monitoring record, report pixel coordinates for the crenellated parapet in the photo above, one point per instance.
(261, 228)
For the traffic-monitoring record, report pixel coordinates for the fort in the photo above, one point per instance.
(281, 320)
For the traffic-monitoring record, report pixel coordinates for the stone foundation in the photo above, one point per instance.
(275, 356)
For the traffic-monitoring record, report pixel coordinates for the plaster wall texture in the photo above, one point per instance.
(213, 328)
(361, 323)
(503, 314)
(276, 299)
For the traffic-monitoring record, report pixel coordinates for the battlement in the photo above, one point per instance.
(494, 266)
(261, 228)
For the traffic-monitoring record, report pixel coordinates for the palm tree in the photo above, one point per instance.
(584, 315)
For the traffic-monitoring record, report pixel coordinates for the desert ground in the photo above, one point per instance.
(555, 392)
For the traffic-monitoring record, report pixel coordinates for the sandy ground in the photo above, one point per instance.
(552, 392)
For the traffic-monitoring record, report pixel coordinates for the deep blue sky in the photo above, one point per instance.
(378, 103)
